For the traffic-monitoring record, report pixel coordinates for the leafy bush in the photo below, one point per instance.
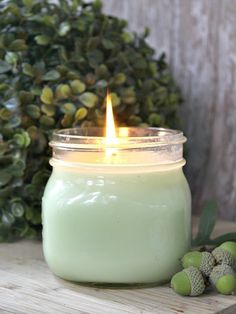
(56, 62)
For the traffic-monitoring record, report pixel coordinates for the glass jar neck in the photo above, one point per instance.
(141, 147)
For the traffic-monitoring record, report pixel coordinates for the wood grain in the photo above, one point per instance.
(199, 38)
(28, 286)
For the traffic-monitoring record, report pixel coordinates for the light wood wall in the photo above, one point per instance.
(199, 38)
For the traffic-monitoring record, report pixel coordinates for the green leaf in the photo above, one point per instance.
(146, 32)
(33, 111)
(47, 121)
(64, 28)
(11, 57)
(127, 37)
(7, 219)
(51, 75)
(93, 43)
(154, 119)
(77, 86)
(68, 108)
(18, 45)
(63, 91)
(5, 192)
(119, 79)
(231, 236)
(3, 87)
(40, 177)
(5, 178)
(81, 113)
(36, 219)
(71, 75)
(102, 71)
(35, 90)
(153, 68)
(4, 67)
(108, 44)
(173, 99)
(47, 96)
(88, 99)
(25, 98)
(22, 139)
(129, 96)
(95, 58)
(14, 122)
(3, 148)
(18, 165)
(67, 120)
(42, 40)
(49, 110)
(140, 64)
(28, 69)
(5, 114)
(17, 209)
(27, 138)
(28, 3)
(206, 223)
(101, 84)
(134, 120)
(49, 20)
(97, 5)
(115, 100)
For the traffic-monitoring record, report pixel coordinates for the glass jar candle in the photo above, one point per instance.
(119, 213)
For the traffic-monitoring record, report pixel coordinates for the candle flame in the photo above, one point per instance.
(111, 137)
(110, 123)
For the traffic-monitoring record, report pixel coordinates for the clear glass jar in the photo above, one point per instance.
(116, 213)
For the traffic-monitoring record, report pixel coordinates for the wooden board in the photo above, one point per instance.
(199, 38)
(28, 287)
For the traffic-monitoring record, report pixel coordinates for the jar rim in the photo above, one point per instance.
(93, 138)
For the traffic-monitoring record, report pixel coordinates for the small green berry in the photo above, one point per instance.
(204, 261)
(224, 279)
(188, 282)
(223, 256)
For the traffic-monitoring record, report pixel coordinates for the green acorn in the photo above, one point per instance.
(229, 246)
(224, 279)
(204, 261)
(225, 253)
(188, 282)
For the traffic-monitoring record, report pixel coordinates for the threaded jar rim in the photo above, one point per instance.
(134, 148)
(93, 138)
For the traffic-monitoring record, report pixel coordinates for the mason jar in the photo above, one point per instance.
(119, 214)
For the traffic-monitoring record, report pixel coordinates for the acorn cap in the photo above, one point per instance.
(224, 279)
(219, 271)
(207, 263)
(223, 256)
(229, 246)
(204, 261)
(188, 282)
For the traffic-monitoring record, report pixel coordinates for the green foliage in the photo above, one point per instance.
(56, 62)
(206, 225)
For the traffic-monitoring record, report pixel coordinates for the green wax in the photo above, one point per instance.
(116, 227)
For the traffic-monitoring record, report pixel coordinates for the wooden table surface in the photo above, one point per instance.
(27, 286)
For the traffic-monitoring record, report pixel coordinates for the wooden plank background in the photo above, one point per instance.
(199, 38)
